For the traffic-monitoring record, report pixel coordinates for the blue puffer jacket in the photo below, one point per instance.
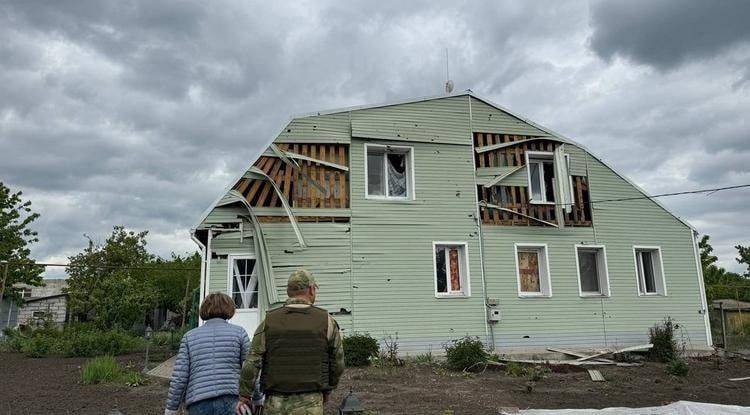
(208, 363)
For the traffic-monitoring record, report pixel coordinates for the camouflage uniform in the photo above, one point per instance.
(310, 403)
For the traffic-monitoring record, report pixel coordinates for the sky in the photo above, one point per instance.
(139, 113)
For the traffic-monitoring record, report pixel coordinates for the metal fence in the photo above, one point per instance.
(730, 320)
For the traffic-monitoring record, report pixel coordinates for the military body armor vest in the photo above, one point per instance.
(297, 356)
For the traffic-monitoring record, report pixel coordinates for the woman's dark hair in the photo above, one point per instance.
(217, 305)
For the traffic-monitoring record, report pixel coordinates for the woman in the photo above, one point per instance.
(207, 370)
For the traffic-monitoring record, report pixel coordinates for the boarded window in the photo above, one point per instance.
(533, 275)
(528, 268)
(244, 283)
(451, 272)
(592, 271)
(388, 172)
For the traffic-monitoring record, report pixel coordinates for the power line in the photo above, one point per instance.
(46, 264)
(686, 192)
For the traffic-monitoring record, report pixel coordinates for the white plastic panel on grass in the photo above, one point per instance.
(676, 408)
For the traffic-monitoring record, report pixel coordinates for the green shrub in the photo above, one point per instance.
(38, 346)
(662, 337)
(515, 369)
(359, 349)
(424, 359)
(538, 373)
(101, 369)
(133, 379)
(465, 354)
(677, 367)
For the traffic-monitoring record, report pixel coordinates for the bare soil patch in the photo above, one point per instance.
(51, 386)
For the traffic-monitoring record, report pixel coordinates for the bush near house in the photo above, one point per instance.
(71, 341)
(662, 337)
(359, 349)
(677, 367)
(466, 353)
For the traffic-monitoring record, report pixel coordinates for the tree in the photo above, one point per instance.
(706, 249)
(744, 253)
(108, 283)
(172, 276)
(15, 238)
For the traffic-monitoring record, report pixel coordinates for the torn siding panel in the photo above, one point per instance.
(327, 256)
(437, 121)
(329, 129)
(488, 119)
(393, 258)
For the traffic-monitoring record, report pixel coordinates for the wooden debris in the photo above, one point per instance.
(627, 349)
(596, 375)
(739, 379)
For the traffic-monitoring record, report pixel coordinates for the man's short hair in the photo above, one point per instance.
(299, 281)
(217, 305)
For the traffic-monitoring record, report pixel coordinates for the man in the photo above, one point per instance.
(298, 353)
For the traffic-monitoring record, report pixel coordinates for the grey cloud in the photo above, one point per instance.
(666, 33)
(139, 113)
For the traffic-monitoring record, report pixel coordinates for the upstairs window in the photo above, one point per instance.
(649, 271)
(532, 271)
(541, 169)
(593, 276)
(451, 269)
(389, 172)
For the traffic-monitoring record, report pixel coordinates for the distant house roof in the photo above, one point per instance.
(49, 297)
(731, 305)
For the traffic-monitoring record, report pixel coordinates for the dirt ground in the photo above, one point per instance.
(51, 386)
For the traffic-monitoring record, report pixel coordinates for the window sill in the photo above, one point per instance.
(536, 202)
(390, 199)
(442, 296)
(651, 295)
(594, 295)
(533, 295)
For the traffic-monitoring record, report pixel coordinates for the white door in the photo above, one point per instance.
(243, 288)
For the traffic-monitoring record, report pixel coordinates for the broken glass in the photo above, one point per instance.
(442, 286)
(397, 174)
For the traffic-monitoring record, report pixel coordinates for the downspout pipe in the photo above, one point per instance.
(203, 263)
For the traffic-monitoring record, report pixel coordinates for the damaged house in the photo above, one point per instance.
(437, 218)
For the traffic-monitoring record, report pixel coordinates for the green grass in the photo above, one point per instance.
(105, 369)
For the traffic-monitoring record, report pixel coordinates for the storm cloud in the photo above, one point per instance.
(139, 112)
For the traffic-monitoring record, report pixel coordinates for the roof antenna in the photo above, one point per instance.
(448, 82)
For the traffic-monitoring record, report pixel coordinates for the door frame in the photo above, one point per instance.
(230, 283)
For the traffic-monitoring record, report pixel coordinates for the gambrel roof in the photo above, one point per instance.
(439, 123)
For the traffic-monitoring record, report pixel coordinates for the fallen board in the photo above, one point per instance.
(627, 349)
(596, 375)
(739, 379)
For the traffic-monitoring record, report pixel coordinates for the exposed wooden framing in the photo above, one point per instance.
(491, 206)
(318, 180)
(507, 150)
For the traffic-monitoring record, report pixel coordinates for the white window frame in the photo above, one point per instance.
(542, 155)
(604, 287)
(659, 280)
(230, 275)
(550, 156)
(466, 274)
(410, 182)
(545, 278)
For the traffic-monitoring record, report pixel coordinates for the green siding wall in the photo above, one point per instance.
(437, 121)
(488, 119)
(331, 128)
(566, 319)
(392, 251)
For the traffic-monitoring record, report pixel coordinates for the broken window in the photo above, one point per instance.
(532, 270)
(388, 172)
(592, 270)
(451, 274)
(244, 283)
(649, 271)
(541, 177)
